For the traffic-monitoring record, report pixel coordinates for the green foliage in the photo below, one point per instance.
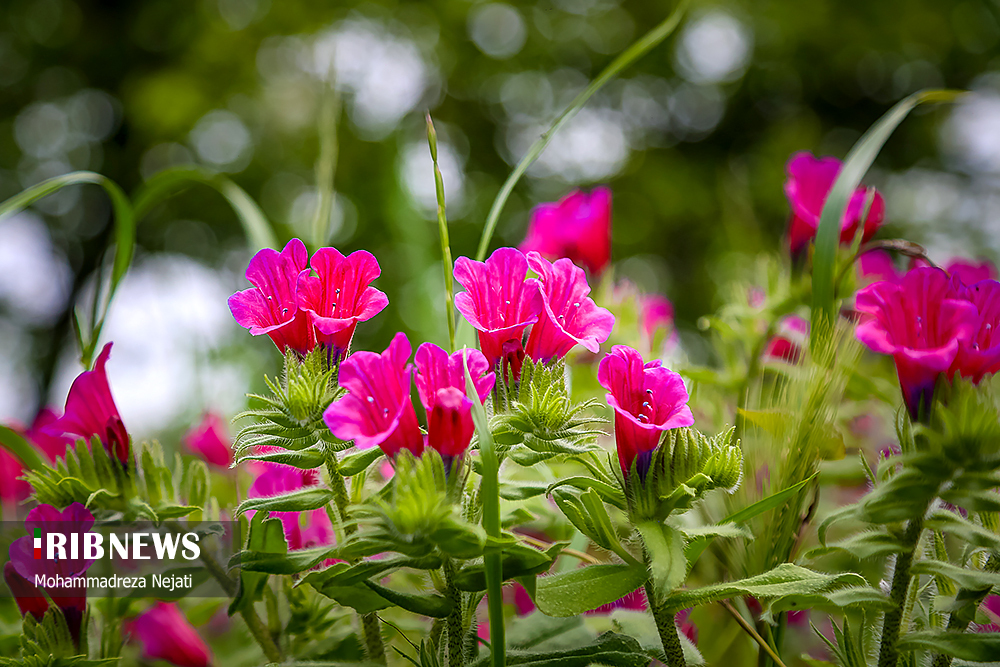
(577, 591)
(48, 643)
(974, 647)
(608, 649)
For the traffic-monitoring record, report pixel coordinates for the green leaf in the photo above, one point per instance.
(970, 579)
(725, 530)
(169, 182)
(358, 597)
(518, 560)
(608, 649)
(295, 501)
(303, 459)
(637, 50)
(970, 646)
(784, 580)
(863, 545)
(857, 597)
(667, 564)
(352, 464)
(291, 562)
(612, 494)
(577, 591)
(976, 536)
(857, 163)
(15, 443)
(518, 490)
(430, 604)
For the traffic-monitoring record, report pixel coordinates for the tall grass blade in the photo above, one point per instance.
(326, 164)
(449, 267)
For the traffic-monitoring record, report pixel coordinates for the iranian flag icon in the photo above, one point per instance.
(38, 543)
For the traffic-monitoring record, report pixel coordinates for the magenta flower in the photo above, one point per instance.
(377, 410)
(270, 306)
(449, 424)
(30, 599)
(274, 479)
(569, 317)
(876, 265)
(809, 182)
(980, 355)
(921, 322)
(970, 272)
(165, 634)
(12, 489)
(436, 370)
(210, 440)
(577, 227)
(54, 446)
(91, 410)
(656, 314)
(71, 600)
(500, 303)
(787, 344)
(647, 400)
(340, 296)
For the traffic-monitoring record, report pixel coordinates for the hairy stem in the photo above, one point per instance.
(456, 631)
(888, 654)
(668, 630)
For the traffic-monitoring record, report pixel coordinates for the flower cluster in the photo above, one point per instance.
(299, 310)
(578, 227)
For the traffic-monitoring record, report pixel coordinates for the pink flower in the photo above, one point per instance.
(340, 296)
(165, 634)
(91, 410)
(270, 306)
(809, 182)
(578, 227)
(449, 424)
(71, 600)
(647, 400)
(656, 314)
(30, 599)
(12, 489)
(921, 322)
(980, 355)
(54, 446)
(569, 317)
(970, 272)
(793, 334)
(876, 265)
(436, 370)
(275, 479)
(636, 601)
(210, 440)
(500, 303)
(377, 410)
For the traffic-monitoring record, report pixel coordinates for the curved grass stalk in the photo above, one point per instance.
(449, 284)
(638, 49)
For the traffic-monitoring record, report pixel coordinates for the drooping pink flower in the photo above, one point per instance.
(809, 182)
(340, 296)
(437, 370)
(970, 272)
(647, 400)
(72, 600)
(577, 227)
(270, 306)
(500, 303)
(921, 322)
(377, 410)
(54, 446)
(210, 440)
(12, 489)
(91, 410)
(30, 599)
(788, 343)
(569, 316)
(980, 355)
(656, 314)
(274, 479)
(876, 265)
(165, 634)
(449, 424)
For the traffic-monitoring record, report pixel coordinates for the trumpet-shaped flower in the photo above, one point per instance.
(500, 303)
(970, 272)
(921, 322)
(71, 600)
(377, 410)
(210, 440)
(647, 399)
(340, 295)
(980, 355)
(91, 410)
(577, 227)
(569, 316)
(449, 423)
(270, 306)
(165, 634)
(656, 314)
(30, 599)
(809, 182)
(436, 370)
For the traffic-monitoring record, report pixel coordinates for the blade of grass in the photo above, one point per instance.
(637, 50)
(16, 443)
(326, 164)
(856, 165)
(449, 285)
(490, 495)
(124, 221)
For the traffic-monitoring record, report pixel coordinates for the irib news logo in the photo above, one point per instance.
(130, 546)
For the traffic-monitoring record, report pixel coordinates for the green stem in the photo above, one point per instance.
(449, 285)
(960, 622)
(891, 625)
(668, 630)
(637, 50)
(374, 644)
(456, 632)
(326, 163)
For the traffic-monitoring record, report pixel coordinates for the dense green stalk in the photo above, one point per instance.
(638, 49)
(449, 285)
(456, 631)
(667, 629)
(891, 625)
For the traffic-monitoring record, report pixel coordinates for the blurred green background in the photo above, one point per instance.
(692, 139)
